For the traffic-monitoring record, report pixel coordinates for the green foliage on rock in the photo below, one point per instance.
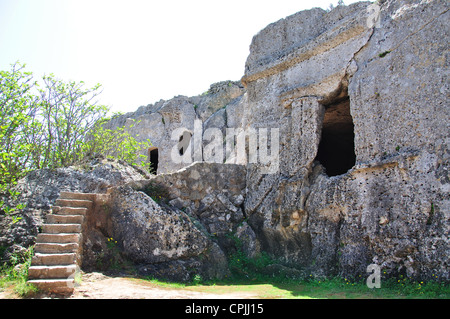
(15, 273)
(54, 124)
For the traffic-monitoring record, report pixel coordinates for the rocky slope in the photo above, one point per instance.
(40, 189)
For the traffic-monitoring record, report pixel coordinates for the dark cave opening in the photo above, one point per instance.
(153, 157)
(337, 144)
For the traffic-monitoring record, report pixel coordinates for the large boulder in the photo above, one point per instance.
(173, 226)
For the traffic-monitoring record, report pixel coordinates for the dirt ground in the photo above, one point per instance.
(99, 286)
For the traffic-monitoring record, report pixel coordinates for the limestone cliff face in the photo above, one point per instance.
(360, 95)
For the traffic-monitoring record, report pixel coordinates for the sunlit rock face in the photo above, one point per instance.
(360, 96)
(358, 99)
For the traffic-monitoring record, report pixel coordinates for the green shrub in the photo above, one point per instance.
(55, 124)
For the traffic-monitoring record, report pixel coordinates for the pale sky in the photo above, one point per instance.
(141, 51)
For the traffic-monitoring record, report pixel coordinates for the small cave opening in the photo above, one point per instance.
(153, 158)
(337, 144)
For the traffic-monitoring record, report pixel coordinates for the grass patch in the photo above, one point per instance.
(14, 273)
(161, 283)
(158, 192)
(270, 279)
(333, 288)
(250, 276)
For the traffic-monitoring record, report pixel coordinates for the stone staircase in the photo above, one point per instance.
(58, 247)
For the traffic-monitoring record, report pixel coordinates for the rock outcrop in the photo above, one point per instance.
(173, 226)
(375, 79)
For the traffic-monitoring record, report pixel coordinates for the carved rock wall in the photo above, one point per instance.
(374, 75)
(391, 207)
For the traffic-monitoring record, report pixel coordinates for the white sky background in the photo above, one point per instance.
(140, 51)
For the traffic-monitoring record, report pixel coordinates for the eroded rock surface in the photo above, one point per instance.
(360, 98)
(391, 207)
(173, 226)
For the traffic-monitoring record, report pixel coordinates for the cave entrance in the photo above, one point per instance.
(337, 144)
(153, 158)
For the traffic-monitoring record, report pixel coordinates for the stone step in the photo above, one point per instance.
(58, 286)
(74, 203)
(58, 210)
(53, 259)
(51, 272)
(84, 196)
(58, 238)
(61, 228)
(56, 248)
(65, 219)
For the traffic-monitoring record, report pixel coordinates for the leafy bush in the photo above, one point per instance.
(50, 125)
(56, 125)
(67, 112)
(18, 108)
